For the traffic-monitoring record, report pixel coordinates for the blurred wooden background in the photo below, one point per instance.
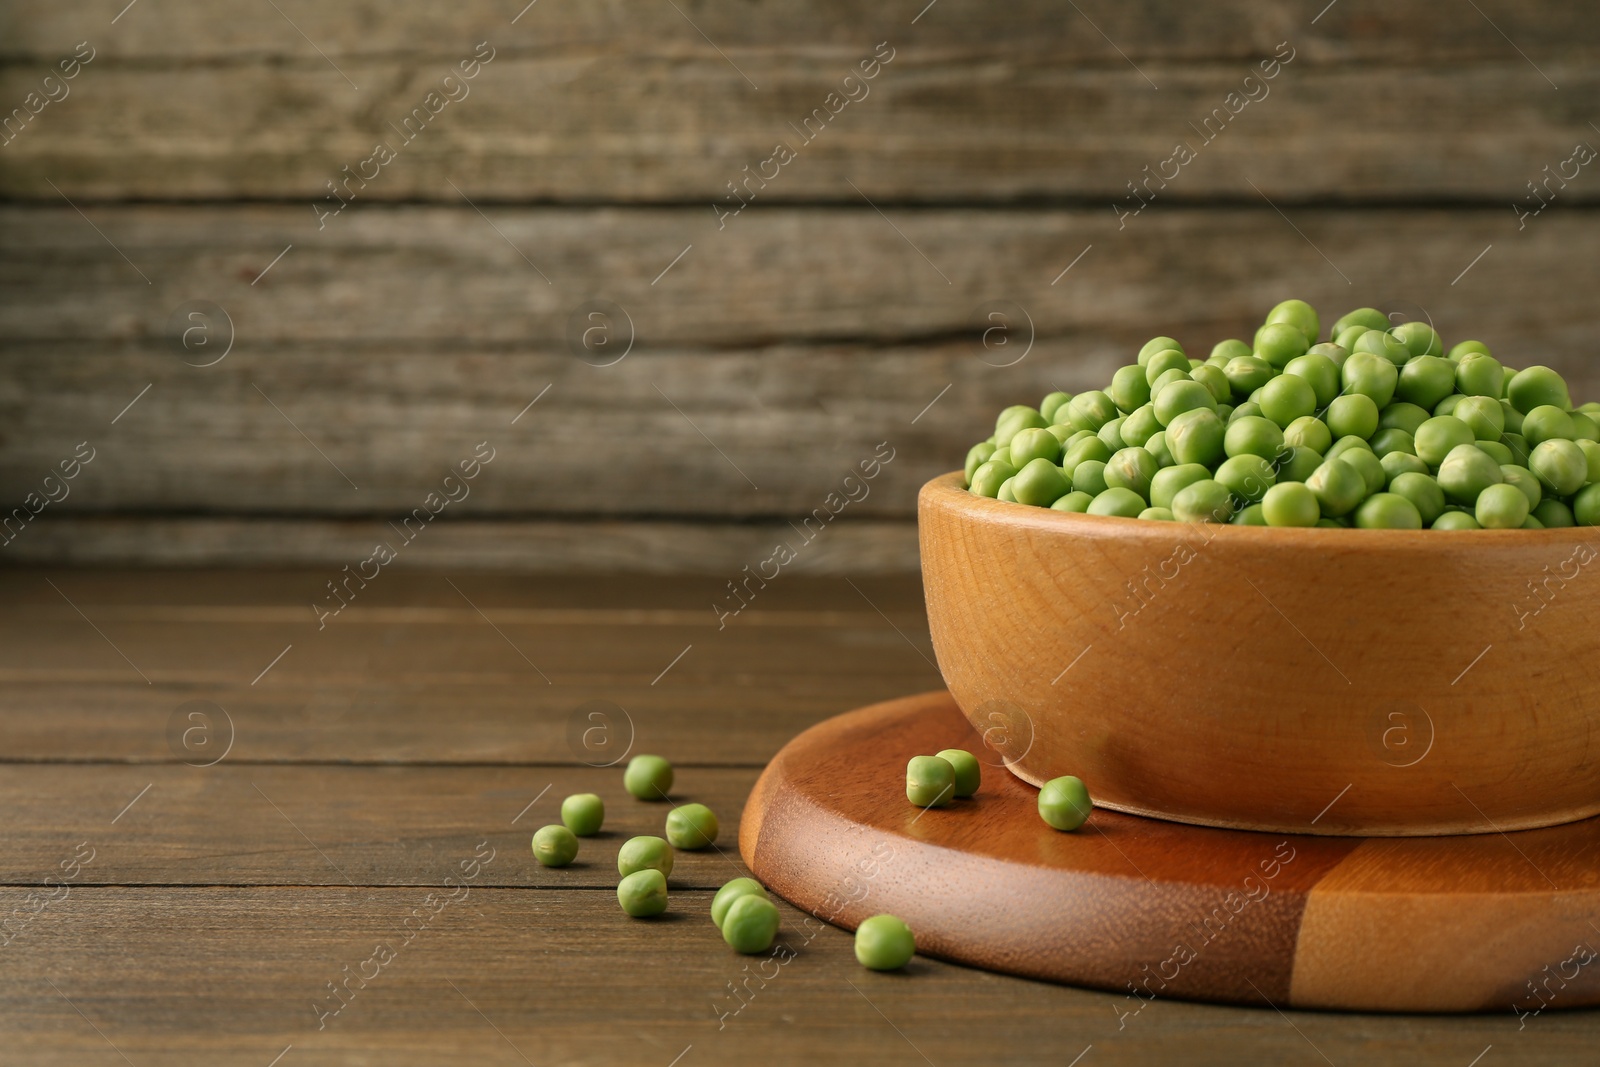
(766, 353)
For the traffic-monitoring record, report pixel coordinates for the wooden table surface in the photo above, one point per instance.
(366, 821)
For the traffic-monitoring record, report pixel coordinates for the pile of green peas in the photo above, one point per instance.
(1377, 427)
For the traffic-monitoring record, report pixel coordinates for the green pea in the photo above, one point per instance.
(1370, 375)
(1498, 452)
(1585, 427)
(1225, 413)
(1092, 410)
(1307, 431)
(1088, 448)
(1398, 463)
(1002, 455)
(1423, 492)
(583, 814)
(1158, 515)
(1483, 414)
(1063, 434)
(1207, 500)
(1253, 435)
(1214, 380)
(644, 853)
(1501, 507)
(1388, 511)
(930, 782)
(1525, 481)
(692, 826)
(1440, 434)
(732, 891)
(1279, 342)
(1517, 445)
(1463, 348)
(1157, 447)
(1169, 480)
(1074, 502)
(1386, 441)
(1251, 515)
(1561, 467)
(1447, 406)
(1479, 374)
(1455, 520)
(1426, 380)
(1347, 338)
(1299, 314)
(1385, 346)
(1466, 472)
(1338, 486)
(1051, 404)
(1514, 417)
(650, 777)
(1419, 338)
(1534, 387)
(1320, 372)
(969, 772)
(1367, 465)
(1014, 418)
(1180, 397)
(1111, 434)
(1041, 483)
(1131, 468)
(1162, 362)
(1032, 444)
(1297, 463)
(1064, 803)
(1371, 318)
(884, 943)
(1248, 477)
(1243, 411)
(1089, 477)
(1531, 523)
(977, 455)
(1336, 354)
(643, 894)
(1547, 423)
(554, 846)
(1352, 415)
(1007, 491)
(1586, 506)
(1290, 504)
(1122, 503)
(1554, 514)
(1158, 344)
(1591, 452)
(1137, 427)
(1195, 436)
(750, 924)
(1223, 351)
(1286, 398)
(1345, 444)
(1246, 374)
(1400, 415)
(1129, 389)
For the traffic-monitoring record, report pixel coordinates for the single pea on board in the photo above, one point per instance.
(969, 772)
(583, 814)
(644, 853)
(930, 782)
(691, 826)
(884, 943)
(648, 777)
(750, 924)
(730, 892)
(554, 846)
(643, 893)
(1064, 803)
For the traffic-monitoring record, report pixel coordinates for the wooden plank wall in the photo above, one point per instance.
(755, 355)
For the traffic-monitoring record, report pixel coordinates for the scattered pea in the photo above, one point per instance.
(643, 893)
(750, 924)
(730, 892)
(969, 772)
(644, 853)
(583, 814)
(930, 781)
(1064, 803)
(691, 826)
(554, 846)
(650, 777)
(884, 943)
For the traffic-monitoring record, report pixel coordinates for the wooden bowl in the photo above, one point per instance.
(1372, 682)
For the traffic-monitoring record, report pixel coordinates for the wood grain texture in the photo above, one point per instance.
(992, 126)
(1157, 909)
(1285, 681)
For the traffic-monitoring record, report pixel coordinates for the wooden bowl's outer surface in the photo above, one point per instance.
(1149, 908)
(1246, 677)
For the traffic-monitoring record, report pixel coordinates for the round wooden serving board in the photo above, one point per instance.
(1492, 922)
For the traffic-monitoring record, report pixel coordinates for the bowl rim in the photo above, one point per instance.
(947, 491)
